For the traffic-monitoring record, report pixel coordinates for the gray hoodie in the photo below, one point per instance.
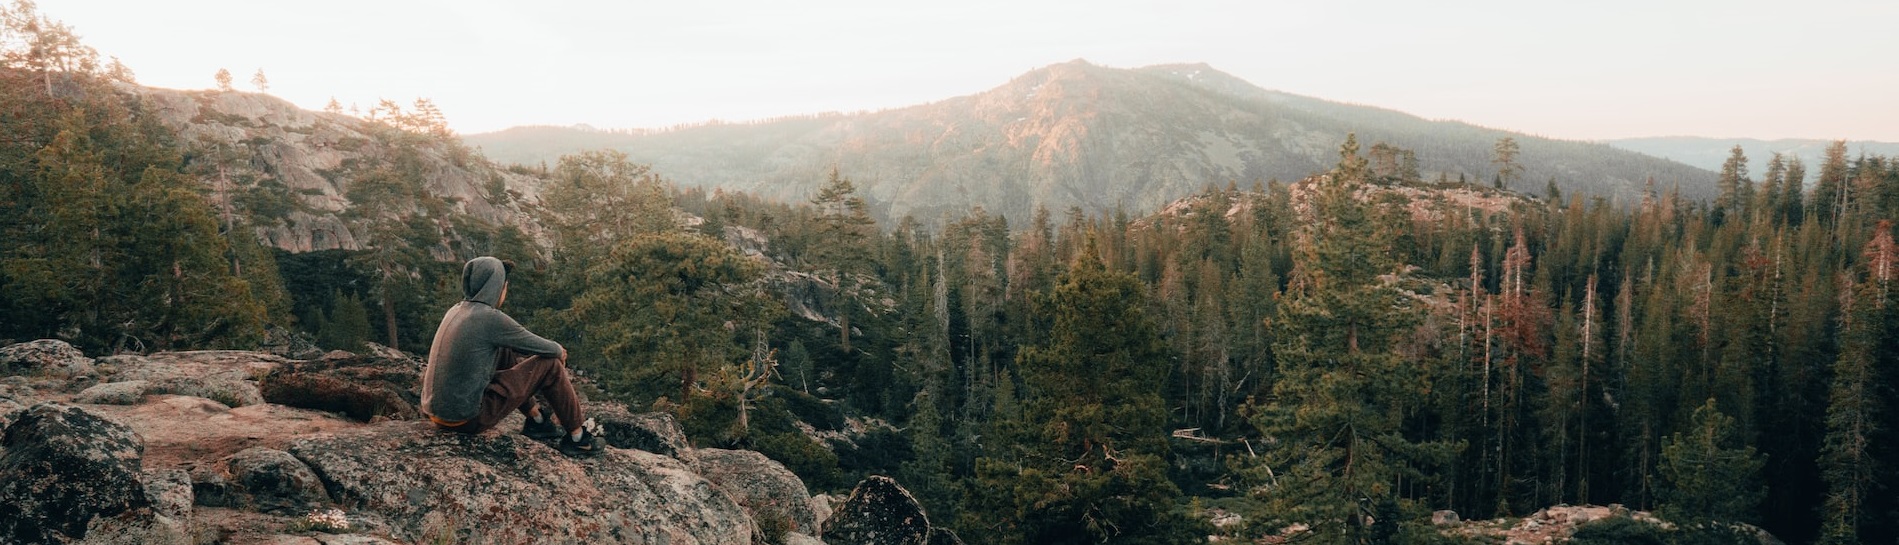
(462, 359)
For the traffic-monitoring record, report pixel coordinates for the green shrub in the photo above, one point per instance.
(814, 464)
(1619, 531)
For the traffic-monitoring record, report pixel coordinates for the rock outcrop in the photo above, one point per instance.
(657, 433)
(504, 488)
(773, 495)
(44, 358)
(225, 376)
(309, 153)
(127, 464)
(273, 480)
(1559, 523)
(129, 392)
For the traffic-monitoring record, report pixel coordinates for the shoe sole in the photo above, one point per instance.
(577, 453)
(574, 450)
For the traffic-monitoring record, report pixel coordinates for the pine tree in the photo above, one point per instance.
(173, 241)
(1855, 405)
(1711, 473)
(1767, 200)
(347, 326)
(1831, 192)
(1793, 201)
(394, 209)
(1335, 406)
(224, 80)
(1522, 347)
(666, 312)
(1737, 191)
(44, 47)
(844, 230)
(1505, 158)
(259, 82)
(596, 201)
(1091, 467)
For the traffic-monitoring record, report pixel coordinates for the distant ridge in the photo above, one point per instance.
(1081, 135)
(1711, 153)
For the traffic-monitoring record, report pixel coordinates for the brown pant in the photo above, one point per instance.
(517, 379)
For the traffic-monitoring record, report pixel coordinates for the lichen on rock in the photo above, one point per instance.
(880, 512)
(274, 481)
(62, 468)
(113, 393)
(504, 488)
(44, 358)
(771, 493)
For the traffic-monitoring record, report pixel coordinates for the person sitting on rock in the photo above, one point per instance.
(484, 365)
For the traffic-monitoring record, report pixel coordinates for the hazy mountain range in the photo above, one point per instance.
(1076, 134)
(1711, 153)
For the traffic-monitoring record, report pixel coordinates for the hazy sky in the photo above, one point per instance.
(1580, 70)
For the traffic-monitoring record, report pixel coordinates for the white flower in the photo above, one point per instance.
(326, 520)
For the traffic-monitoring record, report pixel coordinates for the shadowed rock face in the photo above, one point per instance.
(879, 512)
(62, 467)
(275, 480)
(361, 386)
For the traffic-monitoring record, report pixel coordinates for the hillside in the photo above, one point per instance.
(1076, 134)
(1710, 153)
(299, 168)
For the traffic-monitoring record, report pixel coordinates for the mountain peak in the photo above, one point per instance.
(1205, 76)
(1076, 134)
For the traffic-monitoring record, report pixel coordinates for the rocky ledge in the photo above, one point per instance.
(248, 447)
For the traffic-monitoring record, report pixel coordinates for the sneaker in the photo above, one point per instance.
(543, 430)
(589, 445)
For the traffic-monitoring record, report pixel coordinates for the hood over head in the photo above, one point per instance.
(482, 280)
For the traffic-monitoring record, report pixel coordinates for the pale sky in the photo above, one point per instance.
(1577, 70)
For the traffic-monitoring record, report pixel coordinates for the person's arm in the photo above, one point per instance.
(512, 335)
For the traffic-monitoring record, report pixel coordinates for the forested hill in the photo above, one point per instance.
(1076, 134)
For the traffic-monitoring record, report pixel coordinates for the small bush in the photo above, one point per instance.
(878, 450)
(813, 463)
(773, 525)
(709, 421)
(1619, 531)
(1712, 533)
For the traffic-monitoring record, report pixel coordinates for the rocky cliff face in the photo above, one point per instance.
(211, 457)
(263, 138)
